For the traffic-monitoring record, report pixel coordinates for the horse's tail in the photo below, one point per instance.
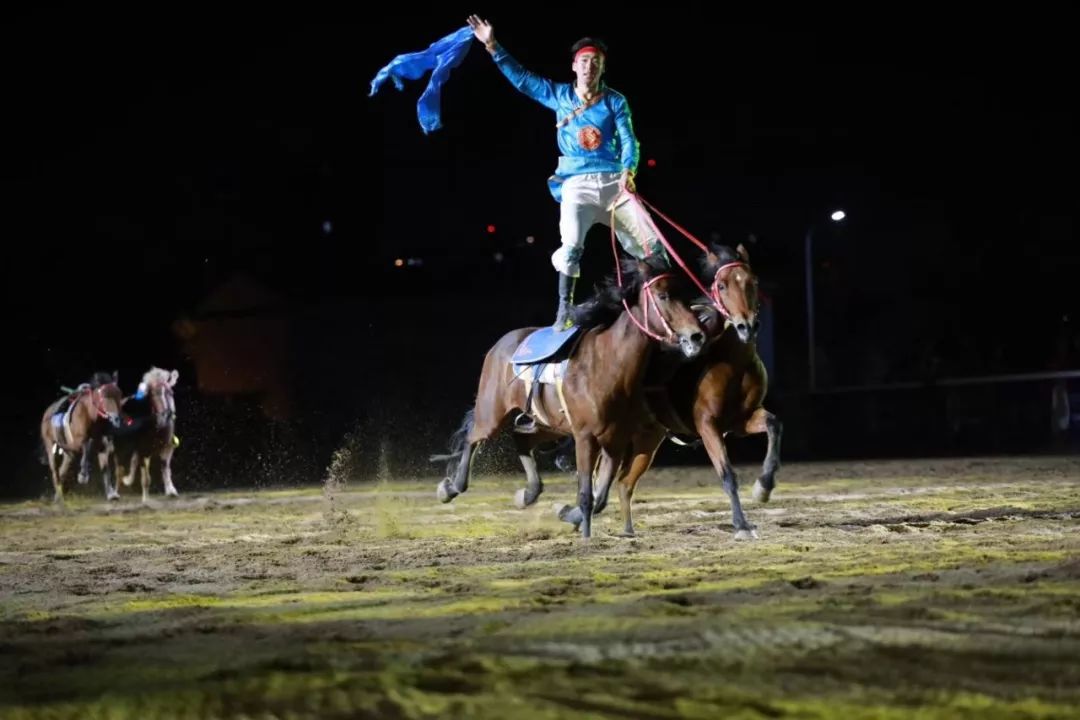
(458, 440)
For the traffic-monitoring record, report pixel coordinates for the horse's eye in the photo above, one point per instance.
(721, 287)
(663, 296)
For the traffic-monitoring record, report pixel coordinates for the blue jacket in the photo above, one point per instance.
(600, 139)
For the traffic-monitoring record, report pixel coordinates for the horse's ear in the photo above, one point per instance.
(741, 250)
(116, 376)
(712, 261)
(173, 377)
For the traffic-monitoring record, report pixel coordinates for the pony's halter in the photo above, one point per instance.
(714, 291)
(649, 298)
(97, 399)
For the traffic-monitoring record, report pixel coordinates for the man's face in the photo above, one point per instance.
(588, 66)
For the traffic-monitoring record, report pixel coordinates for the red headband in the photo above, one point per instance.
(588, 48)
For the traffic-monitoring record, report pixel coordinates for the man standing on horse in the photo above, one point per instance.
(594, 181)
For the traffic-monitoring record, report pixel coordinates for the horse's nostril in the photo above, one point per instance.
(741, 327)
(697, 338)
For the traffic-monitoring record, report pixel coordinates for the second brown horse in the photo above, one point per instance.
(720, 393)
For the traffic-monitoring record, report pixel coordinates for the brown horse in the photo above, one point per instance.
(79, 424)
(600, 401)
(151, 433)
(719, 393)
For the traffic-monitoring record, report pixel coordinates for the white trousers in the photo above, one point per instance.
(587, 200)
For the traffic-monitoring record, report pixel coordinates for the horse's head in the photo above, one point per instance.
(157, 385)
(106, 398)
(662, 299)
(733, 291)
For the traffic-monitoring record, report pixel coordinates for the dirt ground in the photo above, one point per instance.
(929, 589)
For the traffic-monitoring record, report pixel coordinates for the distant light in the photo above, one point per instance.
(651, 162)
(415, 262)
(399, 262)
(838, 215)
(327, 227)
(498, 257)
(530, 239)
(491, 228)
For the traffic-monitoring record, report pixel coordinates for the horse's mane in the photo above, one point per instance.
(100, 379)
(156, 376)
(606, 304)
(720, 255)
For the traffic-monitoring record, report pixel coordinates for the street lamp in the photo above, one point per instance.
(836, 216)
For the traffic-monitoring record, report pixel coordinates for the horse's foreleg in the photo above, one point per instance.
(84, 463)
(763, 421)
(606, 472)
(166, 474)
(714, 445)
(146, 479)
(106, 464)
(587, 450)
(602, 477)
(645, 445)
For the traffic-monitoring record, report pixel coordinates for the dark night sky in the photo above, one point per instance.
(144, 163)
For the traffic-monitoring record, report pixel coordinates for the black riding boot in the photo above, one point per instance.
(566, 301)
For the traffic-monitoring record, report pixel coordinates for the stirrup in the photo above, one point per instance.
(524, 423)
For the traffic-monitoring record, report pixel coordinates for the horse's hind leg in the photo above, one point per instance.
(763, 421)
(466, 442)
(61, 473)
(451, 487)
(57, 477)
(529, 494)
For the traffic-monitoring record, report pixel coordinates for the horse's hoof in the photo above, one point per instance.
(569, 514)
(127, 480)
(171, 492)
(519, 499)
(445, 491)
(761, 494)
(112, 497)
(746, 534)
(83, 479)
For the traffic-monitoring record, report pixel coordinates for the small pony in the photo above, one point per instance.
(79, 424)
(150, 431)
